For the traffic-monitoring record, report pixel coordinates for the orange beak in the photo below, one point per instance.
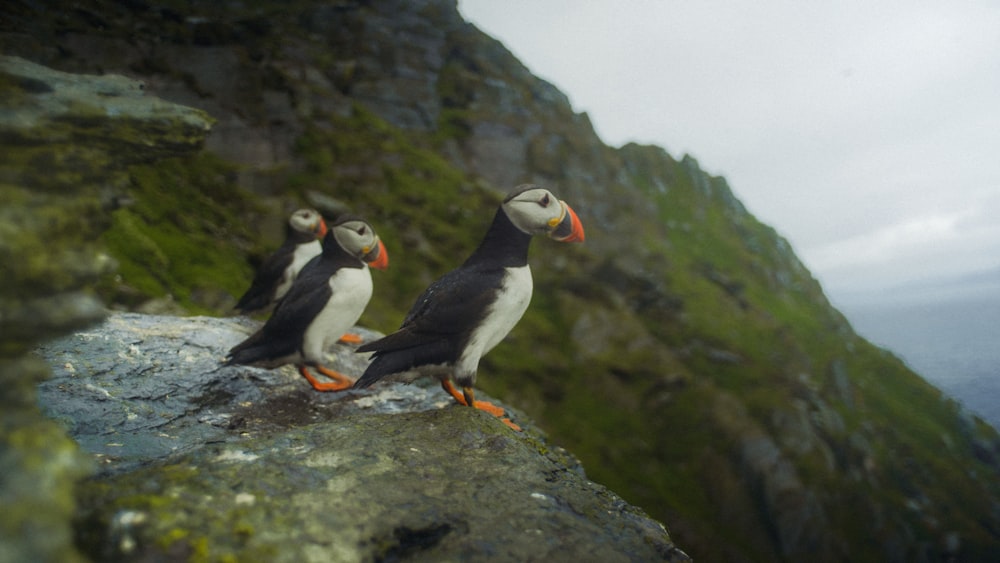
(320, 228)
(569, 229)
(378, 257)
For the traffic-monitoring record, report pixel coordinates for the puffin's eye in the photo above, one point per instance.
(545, 201)
(362, 230)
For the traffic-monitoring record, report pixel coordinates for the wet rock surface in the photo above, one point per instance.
(196, 458)
(66, 141)
(403, 112)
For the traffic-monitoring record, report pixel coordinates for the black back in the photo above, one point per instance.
(440, 323)
(282, 334)
(268, 276)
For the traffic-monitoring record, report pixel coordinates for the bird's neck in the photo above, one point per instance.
(334, 253)
(504, 244)
(294, 237)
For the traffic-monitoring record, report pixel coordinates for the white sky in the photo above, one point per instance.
(866, 132)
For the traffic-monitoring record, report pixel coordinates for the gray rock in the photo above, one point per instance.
(231, 461)
(140, 388)
(38, 466)
(795, 511)
(841, 382)
(66, 141)
(109, 111)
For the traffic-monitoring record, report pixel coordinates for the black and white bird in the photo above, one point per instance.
(468, 311)
(327, 298)
(275, 276)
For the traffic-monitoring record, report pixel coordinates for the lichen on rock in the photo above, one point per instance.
(233, 462)
(66, 142)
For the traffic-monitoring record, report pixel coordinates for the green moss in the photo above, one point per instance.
(41, 464)
(716, 284)
(179, 236)
(140, 259)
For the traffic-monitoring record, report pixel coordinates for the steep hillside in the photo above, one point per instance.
(683, 352)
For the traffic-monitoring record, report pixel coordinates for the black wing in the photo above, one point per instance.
(282, 333)
(438, 325)
(266, 280)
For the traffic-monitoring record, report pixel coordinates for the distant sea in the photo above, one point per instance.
(951, 338)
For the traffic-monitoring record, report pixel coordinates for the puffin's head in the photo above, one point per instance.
(308, 221)
(536, 211)
(358, 238)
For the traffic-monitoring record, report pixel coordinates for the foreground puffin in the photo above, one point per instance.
(303, 232)
(467, 312)
(327, 298)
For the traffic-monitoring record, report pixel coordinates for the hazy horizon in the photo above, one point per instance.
(952, 343)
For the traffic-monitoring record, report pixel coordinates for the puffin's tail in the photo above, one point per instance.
(383, 364)
(389, 362)
(251, 350)
(244, 356)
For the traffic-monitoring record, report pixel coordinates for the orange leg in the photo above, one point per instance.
(350, 339)
(340, 383)
(467, 397)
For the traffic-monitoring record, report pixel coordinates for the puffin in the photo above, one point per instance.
(303, 232)
(328, 296)
(464, 314)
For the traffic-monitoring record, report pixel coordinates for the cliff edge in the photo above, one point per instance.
(242, 463)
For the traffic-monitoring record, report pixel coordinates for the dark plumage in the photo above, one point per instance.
(275, 276)
(469, 310)
(327, 298)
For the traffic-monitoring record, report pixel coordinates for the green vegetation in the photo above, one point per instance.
(734, 316)
(681, 331)
(178, 238)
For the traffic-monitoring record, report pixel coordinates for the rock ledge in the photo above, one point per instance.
(196, 459)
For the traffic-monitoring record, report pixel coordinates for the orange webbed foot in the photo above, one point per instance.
(511, 424)
(350, 339)
(490, 408)
(467, 397)
(340, 381)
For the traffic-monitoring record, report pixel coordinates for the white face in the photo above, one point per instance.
(306, 221)
(356, 237)
(535, 211)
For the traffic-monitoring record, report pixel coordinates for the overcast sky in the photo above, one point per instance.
(865, 132)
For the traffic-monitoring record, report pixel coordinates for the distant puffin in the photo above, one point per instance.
(468, 311)
(304, 230)
(327, 298)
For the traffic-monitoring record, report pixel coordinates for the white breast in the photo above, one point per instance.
(510, 305)
(352, 289)
(302, 254)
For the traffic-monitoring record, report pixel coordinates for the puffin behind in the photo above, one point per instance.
(326, 299)
(303, 233)
(464, 314)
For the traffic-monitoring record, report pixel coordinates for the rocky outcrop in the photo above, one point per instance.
(197, 460)
(684, 353)
(192, 460)
(65, 143)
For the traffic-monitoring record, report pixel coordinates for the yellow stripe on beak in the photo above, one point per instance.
(554, 222)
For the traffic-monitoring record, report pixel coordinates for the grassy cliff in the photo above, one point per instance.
(683, 352)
